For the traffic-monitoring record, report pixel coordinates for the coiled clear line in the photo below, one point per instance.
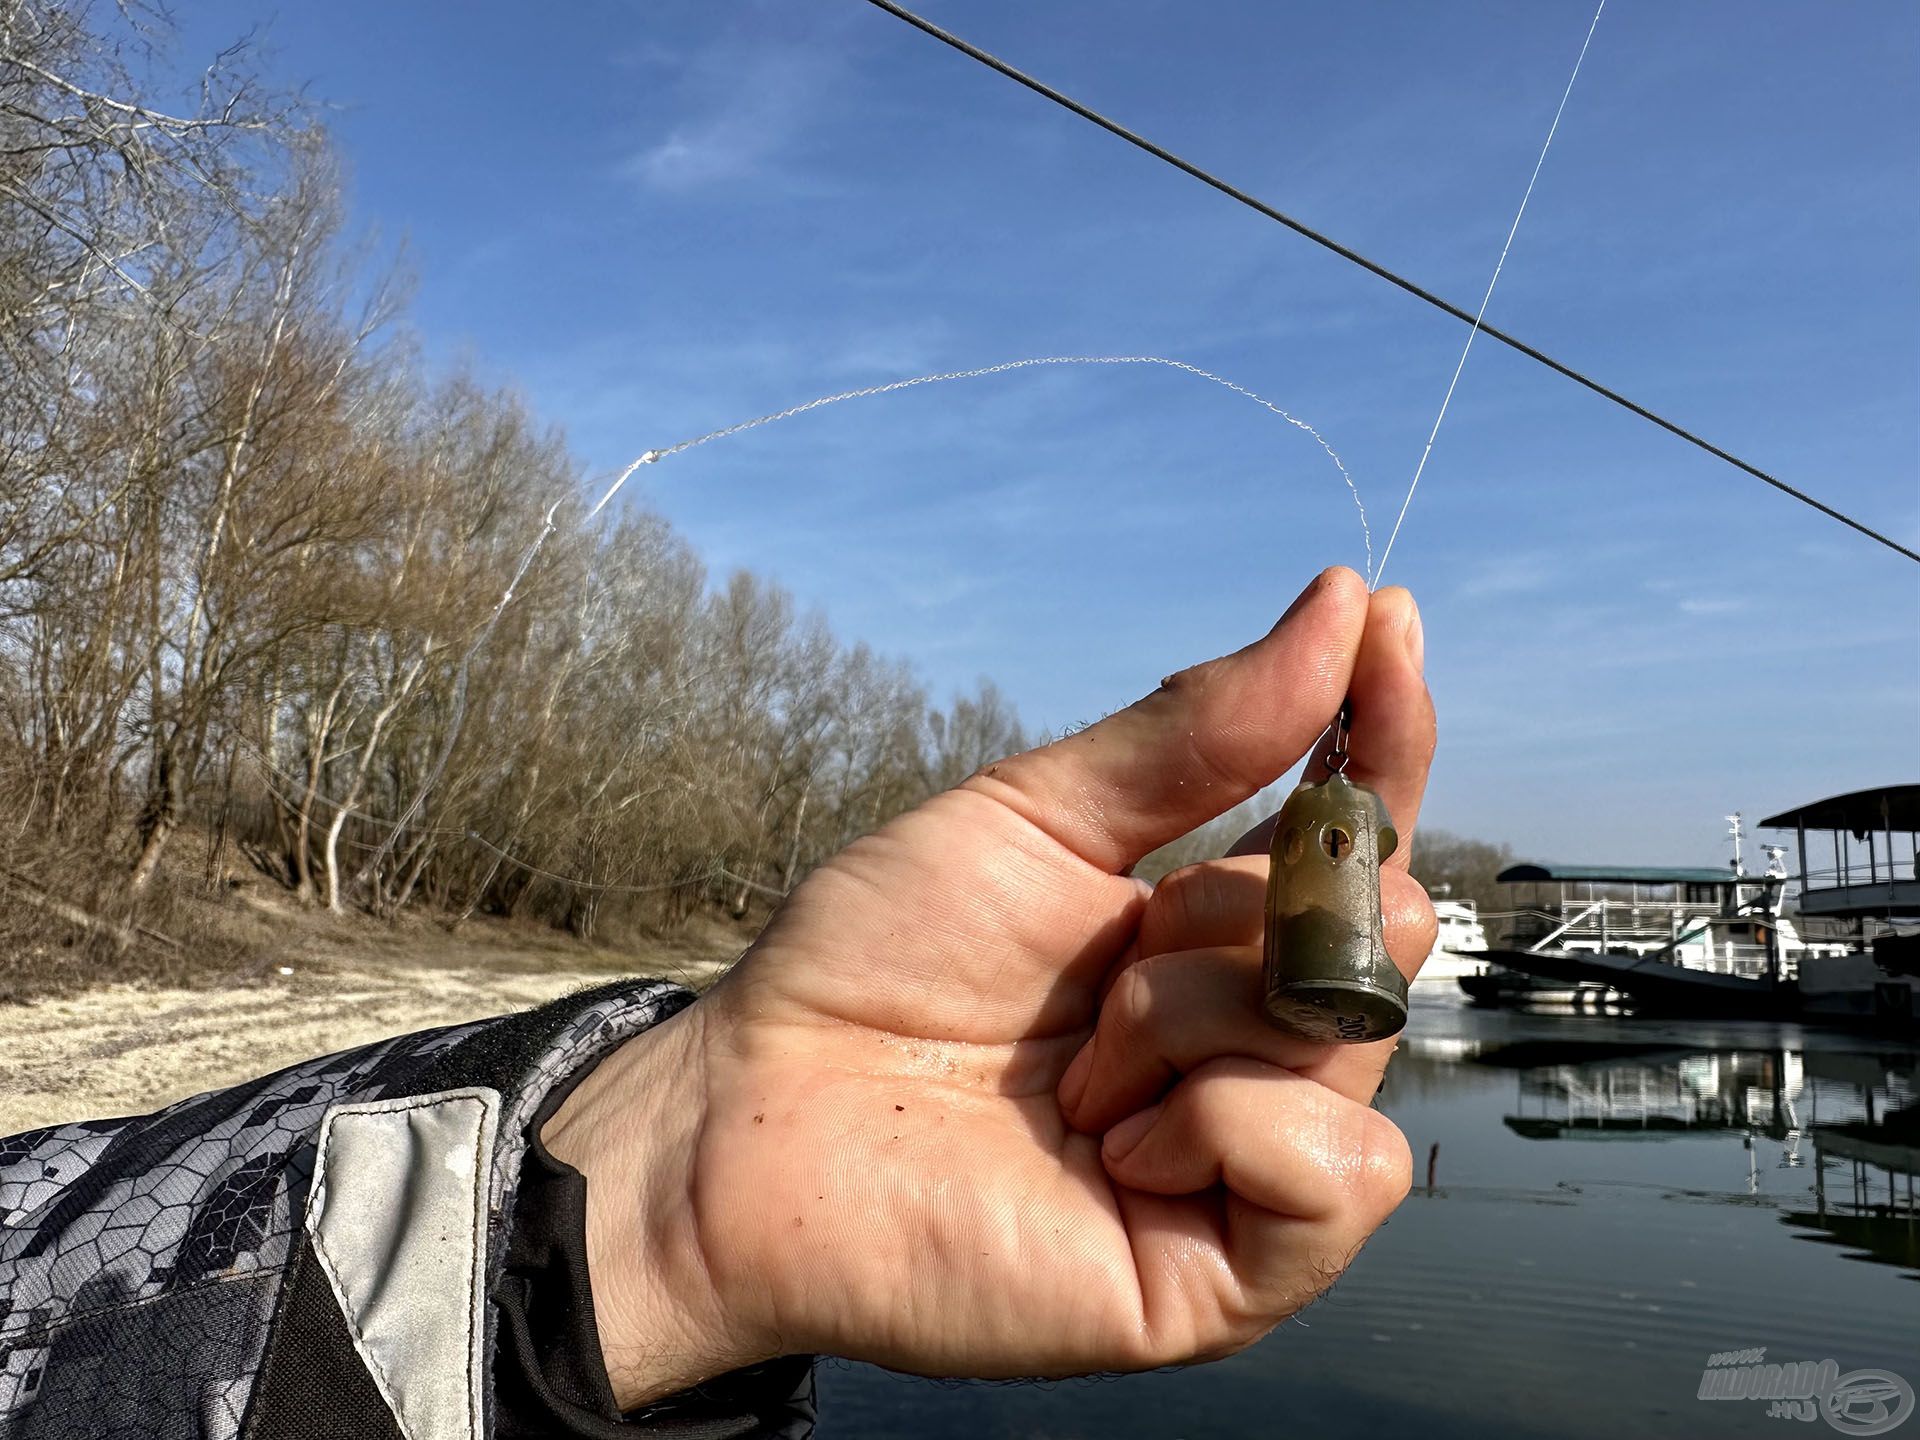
(549, 524)
(654, 456)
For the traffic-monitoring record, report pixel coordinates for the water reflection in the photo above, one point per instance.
(1840, 1107)
(1600, 1204)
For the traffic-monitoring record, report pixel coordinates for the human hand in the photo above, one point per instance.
(976, 1103)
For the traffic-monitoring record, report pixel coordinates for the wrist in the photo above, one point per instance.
(632, 1129)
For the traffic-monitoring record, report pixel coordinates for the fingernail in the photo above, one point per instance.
(1122, 1138)
(1417, 643)
(1073, 1084)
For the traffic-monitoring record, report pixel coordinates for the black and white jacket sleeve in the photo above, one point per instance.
(349, 1248)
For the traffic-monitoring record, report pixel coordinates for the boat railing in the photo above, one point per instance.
(1622, 1096)
(1536, 927)
(1734, 957)
(1881, 870)
(1630, 1094)
(1677, 933)
(1598, 906)
(1723, 957)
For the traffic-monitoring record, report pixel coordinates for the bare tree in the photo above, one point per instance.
(1459, 868)
(260, 574)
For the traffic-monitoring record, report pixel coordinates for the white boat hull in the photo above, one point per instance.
(1443, 967)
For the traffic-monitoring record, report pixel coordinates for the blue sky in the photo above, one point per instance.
(659, 218)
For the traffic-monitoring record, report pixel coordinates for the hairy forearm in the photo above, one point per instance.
(633, 1129)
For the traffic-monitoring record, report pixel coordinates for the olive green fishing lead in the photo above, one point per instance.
(1326, 973)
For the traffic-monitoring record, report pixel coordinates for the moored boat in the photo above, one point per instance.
(1457, 944)
(1723, 943)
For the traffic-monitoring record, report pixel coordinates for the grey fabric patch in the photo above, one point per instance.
(398, 1220)
(181, 1220)
(186, 1219)
(174, 1368)
(553, 1044)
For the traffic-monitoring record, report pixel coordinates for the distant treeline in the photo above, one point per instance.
(1457, 867)
(248, 545)
(1451, 866)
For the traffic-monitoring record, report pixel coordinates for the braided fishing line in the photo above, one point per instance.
(652, 457)
(550, 524)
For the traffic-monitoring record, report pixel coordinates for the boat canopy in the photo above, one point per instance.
(1891, 807)
(1859, 853)
(1622, 875)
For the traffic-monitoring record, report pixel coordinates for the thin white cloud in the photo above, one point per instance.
(742, 107)
(1494, 579)
(726, 147)
(1714, 605)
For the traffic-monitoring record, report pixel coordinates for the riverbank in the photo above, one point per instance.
(122, 1048)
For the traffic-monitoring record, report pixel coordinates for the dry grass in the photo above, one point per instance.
(184, 936)
(261, 982)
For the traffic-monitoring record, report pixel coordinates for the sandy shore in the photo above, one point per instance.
(122, 1049)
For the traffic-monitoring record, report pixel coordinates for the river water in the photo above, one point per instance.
(1600, 1204)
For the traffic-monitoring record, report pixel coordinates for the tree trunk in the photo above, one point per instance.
(157, 824)
(793, 846)
(330, 858)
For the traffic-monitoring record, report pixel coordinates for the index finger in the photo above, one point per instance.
(1392, 741)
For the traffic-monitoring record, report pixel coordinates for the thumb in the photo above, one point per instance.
(1207, 739)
